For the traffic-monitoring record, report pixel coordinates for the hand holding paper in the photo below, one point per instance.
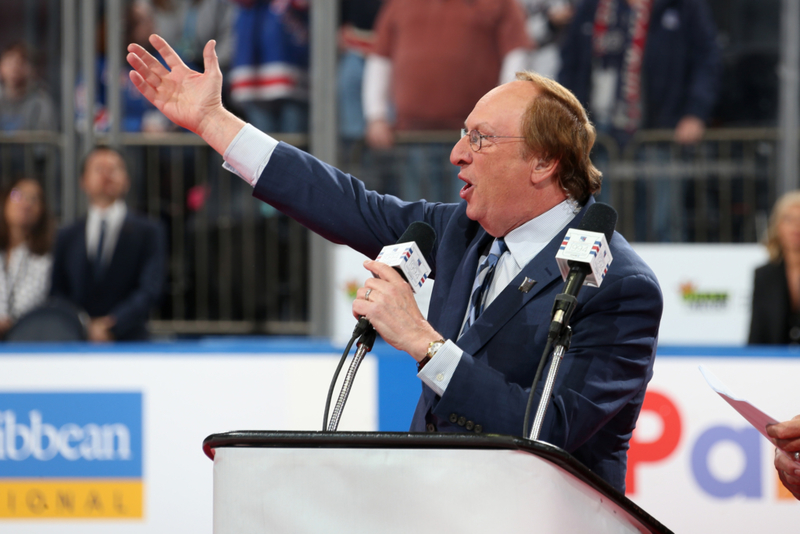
(785, 436)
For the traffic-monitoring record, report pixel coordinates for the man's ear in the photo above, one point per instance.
(542, 169)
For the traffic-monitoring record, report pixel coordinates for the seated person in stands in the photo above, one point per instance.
(110, 263)
(26, 235)
(24, 105)
(775, 316)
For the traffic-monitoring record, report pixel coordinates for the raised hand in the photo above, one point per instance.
(189, 99)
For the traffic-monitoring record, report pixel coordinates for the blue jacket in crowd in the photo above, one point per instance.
(681, 67)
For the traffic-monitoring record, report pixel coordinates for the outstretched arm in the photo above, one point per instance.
(189, 99)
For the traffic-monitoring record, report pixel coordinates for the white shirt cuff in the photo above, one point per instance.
(375, 87)
(439, 370)
(249, 153)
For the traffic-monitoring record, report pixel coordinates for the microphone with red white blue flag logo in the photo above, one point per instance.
(408, 257)
(583, 259)
(588, 248)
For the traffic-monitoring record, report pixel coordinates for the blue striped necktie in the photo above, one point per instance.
(483, 279)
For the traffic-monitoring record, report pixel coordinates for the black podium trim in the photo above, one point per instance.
(411, 440)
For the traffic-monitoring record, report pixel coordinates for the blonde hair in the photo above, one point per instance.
(772, 242)
(556, 126)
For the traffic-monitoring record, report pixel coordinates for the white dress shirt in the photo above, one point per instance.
(24, 281)
(114, 216)
(524, 243)
(248, 155)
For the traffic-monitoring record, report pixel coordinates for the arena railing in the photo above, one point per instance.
(236, 266)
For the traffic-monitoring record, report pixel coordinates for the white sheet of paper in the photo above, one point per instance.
(753, 415)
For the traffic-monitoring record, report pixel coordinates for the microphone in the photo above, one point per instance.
(409, 258)
(583, 258)
(409, 255)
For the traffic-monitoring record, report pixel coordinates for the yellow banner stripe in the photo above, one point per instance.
(66, 498)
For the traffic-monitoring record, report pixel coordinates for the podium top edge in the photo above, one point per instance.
(387, 440)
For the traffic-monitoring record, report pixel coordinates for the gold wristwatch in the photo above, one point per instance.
(433, 347)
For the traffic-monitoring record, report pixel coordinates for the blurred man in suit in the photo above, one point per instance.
(110, 263)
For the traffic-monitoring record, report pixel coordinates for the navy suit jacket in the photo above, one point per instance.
(602, 381)
(129, 286)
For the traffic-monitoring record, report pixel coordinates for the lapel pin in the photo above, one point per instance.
(526, 284)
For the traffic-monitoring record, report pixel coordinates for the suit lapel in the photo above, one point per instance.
(458, 297)
(511, 300)
(542, 268)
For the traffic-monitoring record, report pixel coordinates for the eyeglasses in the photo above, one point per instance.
(18, 196)
(476, 138)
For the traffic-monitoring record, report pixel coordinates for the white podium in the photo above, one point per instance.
(298, 482)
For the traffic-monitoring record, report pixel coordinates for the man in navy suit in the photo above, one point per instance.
(524, 158)
(110, 263)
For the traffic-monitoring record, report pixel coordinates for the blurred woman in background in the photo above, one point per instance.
(26, 236)
(775, 316)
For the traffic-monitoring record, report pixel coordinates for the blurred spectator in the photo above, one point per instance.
(190, 24)
(547, 22)
(750, 42)
(24, 104)
(432, 61)
(269, 72)
(356, 39)
(138, 115)
(26, 235)
(775, 318)
(640, 64)
(112, 262)
(644, 64)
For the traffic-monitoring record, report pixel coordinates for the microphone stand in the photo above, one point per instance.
(561, 345)
(559, 336)
(364, 346)
(599, 218)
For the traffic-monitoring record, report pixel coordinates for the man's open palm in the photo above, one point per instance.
(189, 99)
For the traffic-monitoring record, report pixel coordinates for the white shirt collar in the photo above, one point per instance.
(114, 216)
(115, 212)
(527, 240)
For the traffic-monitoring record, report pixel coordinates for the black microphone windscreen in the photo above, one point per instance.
(600, 218)
(423, 235)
